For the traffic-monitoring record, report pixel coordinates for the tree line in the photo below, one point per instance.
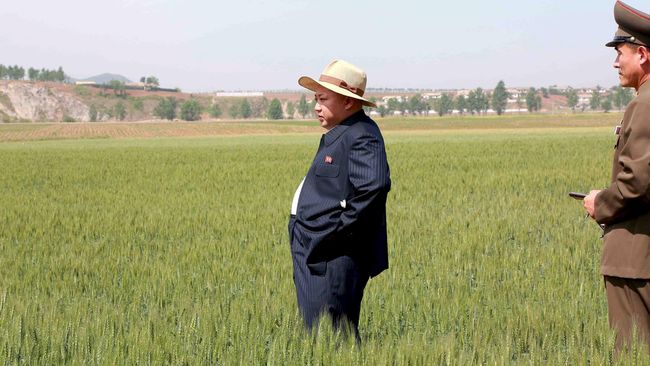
(190, 110)
(479, 101)
(18, 73)
(617, 96)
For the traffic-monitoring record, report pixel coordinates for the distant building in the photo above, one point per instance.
(81, 82)
(240, 94)
(434, 96)
(136, 84)
(386, 98)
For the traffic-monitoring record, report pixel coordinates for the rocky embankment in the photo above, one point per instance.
(32, 101)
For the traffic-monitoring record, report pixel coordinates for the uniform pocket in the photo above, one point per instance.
(327, 170)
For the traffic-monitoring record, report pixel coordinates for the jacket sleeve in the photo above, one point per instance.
(370, 178)
(631, 185)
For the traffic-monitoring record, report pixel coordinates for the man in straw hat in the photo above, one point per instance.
(337, 227)
(624, 206)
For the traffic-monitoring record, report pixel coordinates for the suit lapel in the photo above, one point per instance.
(334, 134)
(340, 129)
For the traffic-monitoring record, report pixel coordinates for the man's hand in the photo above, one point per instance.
(589, 202)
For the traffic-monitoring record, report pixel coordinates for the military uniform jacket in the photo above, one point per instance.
(624, 207)
(342, 205)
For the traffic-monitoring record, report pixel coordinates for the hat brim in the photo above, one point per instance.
(613, 43)
(311, 84)
(619, 37)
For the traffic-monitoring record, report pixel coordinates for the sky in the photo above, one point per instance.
(203, 46)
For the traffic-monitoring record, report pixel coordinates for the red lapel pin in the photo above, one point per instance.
(328, 159)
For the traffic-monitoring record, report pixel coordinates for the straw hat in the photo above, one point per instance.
(343, 78)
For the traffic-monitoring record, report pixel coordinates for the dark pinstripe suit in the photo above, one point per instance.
(338, 235)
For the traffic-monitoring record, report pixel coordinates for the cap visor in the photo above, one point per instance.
(613, 43)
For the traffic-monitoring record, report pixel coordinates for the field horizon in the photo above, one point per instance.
(150, 129)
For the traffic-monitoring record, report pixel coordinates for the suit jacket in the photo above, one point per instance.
(624, 207)
(342, 204)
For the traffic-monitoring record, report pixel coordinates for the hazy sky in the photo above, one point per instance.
(201, 45)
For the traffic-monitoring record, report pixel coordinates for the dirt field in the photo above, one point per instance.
(157, 128)
(84, 130)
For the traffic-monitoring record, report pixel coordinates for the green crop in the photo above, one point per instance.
(175, 251)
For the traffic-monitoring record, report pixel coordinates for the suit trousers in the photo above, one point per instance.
(628, 303)
(337, 292)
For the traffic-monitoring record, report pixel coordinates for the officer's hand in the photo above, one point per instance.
(589, 202)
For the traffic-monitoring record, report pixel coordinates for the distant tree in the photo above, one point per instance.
(477, 101)
(16, 72)
(472, 105)
(92, 113)
(119, 111)
(191, 110)
(234, 110)
(138, 105)
(303, 107)
(544, 92)
(538, 101)
(45, 75)
(520, 102)
(594, 101)
(429, 105)
(621, 96)
(531, 100)
(416, 104)
(500, 98)
(259, 106)
(553, 91)
(10, 72)
(32, 74)
(572, 98)
(403, 106)
(245, 110)
(143, 79)
(461, 104)
(166, 108)
(393, 105)
(215, 110)
(606, 104)
(485, 102)
(60, 75)
(3, 71)
(291, 109)
(445, 104)
(275, 109)
(119, 88)
(152, 81)
(382, 110)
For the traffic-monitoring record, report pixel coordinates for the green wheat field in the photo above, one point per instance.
(174, 250)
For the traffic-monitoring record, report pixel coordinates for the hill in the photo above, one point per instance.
(50, 101)
(106, 78)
